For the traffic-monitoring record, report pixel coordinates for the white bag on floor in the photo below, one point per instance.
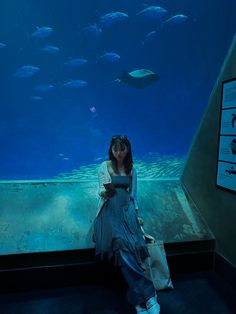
(156, 266)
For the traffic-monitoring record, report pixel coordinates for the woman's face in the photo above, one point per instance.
(119, 151)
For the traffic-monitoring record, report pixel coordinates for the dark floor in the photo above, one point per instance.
(194, 293)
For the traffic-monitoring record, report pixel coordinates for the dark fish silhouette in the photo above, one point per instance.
(138, 78)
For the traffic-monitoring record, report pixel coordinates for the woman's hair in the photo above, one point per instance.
(128, 160)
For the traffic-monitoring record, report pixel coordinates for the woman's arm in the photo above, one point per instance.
(134, 188)
(103, 177)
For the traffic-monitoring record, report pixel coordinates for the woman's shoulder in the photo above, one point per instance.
(104, 165)
(104, 162)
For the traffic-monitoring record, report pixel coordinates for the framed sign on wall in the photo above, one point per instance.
(226, 163)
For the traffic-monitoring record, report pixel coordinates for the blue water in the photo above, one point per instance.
(63, 129)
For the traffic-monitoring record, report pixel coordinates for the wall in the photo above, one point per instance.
(217, 206)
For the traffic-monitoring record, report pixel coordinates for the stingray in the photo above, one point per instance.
(138, 78)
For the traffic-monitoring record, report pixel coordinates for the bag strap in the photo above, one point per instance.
(147, 237)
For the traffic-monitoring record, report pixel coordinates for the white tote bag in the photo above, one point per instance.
(156, 266)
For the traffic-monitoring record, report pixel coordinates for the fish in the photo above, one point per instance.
(176, 19)
(78, 62)
(138, 78)
(2, 45)
(42, 32)
(109, 57)
(75, 84)
(92, 31)
(152, 13)
(109, 19)
(36, 98)
(150, 38)
(26, 71)
(44, 87)
(50, 49)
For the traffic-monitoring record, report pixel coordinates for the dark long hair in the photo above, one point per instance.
(128, 160)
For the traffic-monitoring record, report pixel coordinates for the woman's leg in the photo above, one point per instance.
(140, 288)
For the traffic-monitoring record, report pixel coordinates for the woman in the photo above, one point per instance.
(117, 233)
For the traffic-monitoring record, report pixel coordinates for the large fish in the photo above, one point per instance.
(77, 62)
(138, 78)
(176, 19)
(75, 84)
(50, 49)
(152, 13)
(42, 32)
(92, 31)
(150, 38)
(109, 57)
(36, 98)
(26, 71)
(109, 19)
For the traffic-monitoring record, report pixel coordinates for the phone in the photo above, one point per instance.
(109, 186)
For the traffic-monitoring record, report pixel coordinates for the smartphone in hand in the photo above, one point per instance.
(109, 186)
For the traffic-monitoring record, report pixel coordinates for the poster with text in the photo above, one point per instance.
(229, 94)
(226, 164)
(228, 122)
(226, 175)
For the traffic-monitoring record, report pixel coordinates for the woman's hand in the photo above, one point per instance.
(140, 221)
(108, 193)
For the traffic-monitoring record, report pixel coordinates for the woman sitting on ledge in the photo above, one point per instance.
(117, 233)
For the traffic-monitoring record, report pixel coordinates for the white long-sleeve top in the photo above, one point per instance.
(105, 177)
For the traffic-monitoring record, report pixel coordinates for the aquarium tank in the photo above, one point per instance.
(73, 73)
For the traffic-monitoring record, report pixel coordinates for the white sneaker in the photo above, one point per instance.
(141, 310)
(153, 306)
